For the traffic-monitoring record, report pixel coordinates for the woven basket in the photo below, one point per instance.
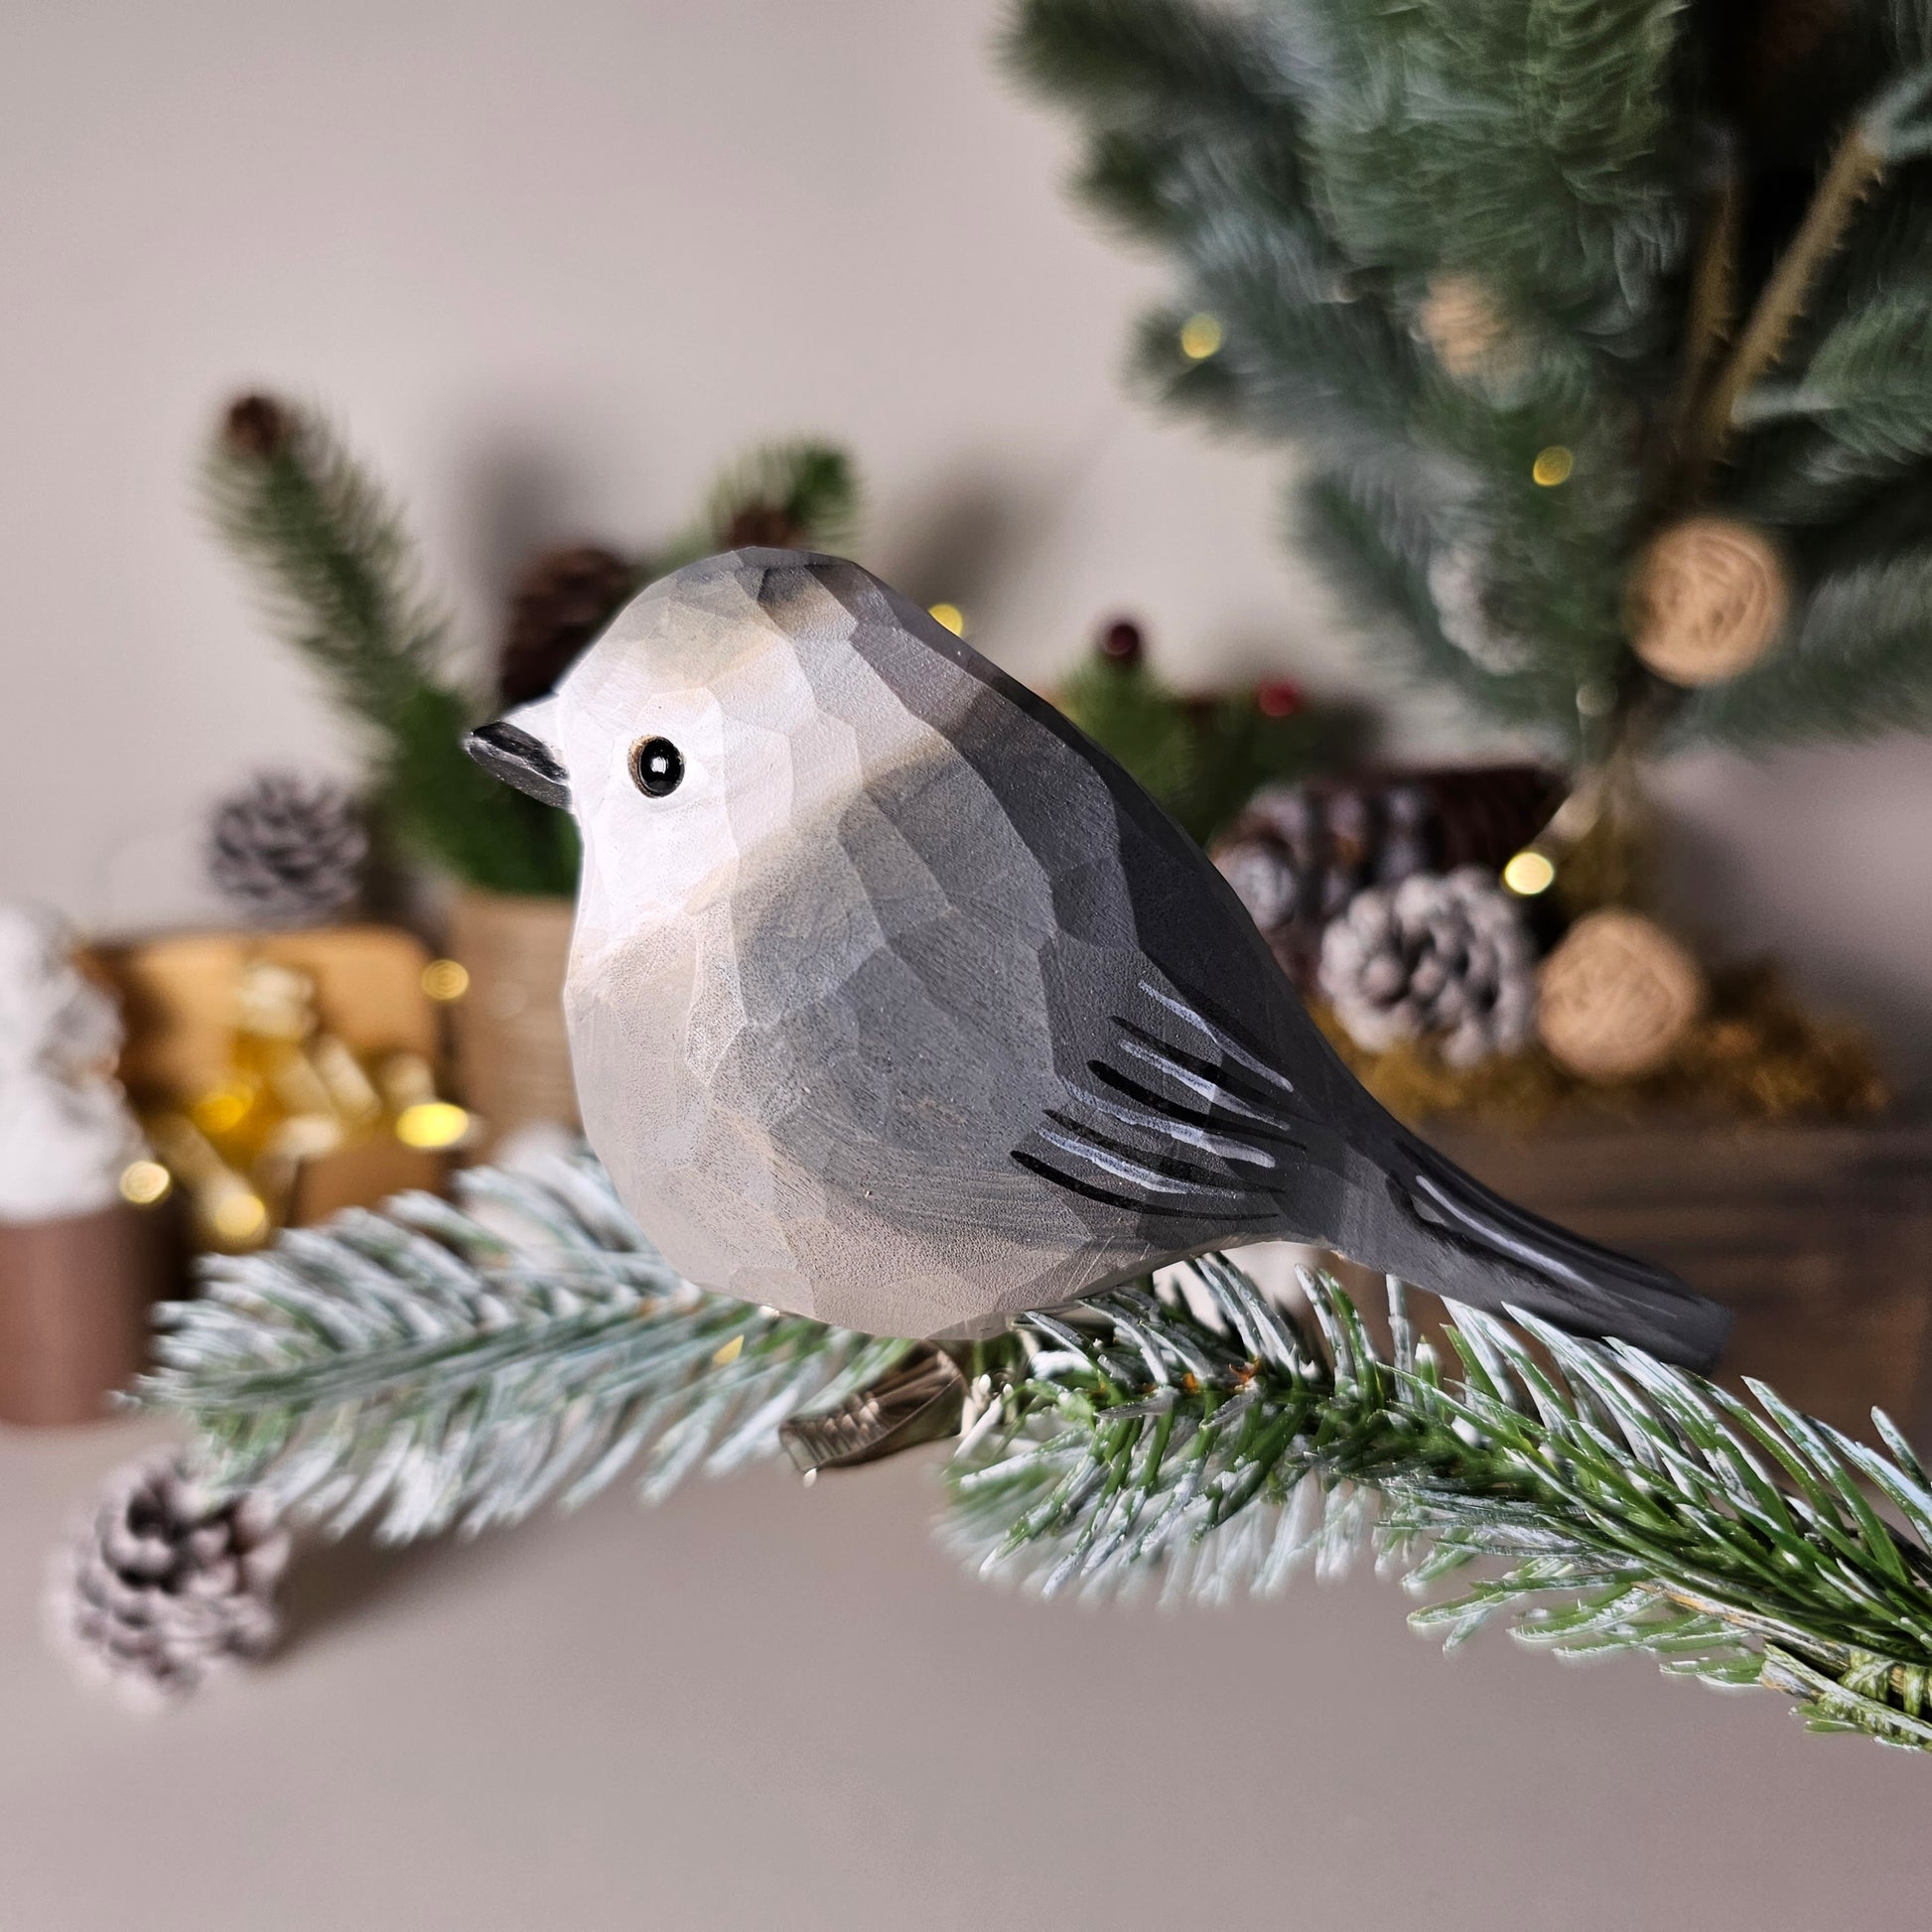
(512, 1057)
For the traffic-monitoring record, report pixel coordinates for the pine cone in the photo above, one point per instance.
(1300, 853)
(1447, 958)
(288, 851)
(1484, 814)
(764, 526)
(559, 603)
(165, 1585)
(257, 426)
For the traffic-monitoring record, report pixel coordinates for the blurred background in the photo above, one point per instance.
(583, 290)
(550, 270)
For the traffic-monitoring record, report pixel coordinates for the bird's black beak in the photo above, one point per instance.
(508, 749)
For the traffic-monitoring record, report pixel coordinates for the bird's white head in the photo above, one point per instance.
(722, 717)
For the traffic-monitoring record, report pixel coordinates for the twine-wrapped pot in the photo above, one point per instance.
(512, 1057)
(74, 1296)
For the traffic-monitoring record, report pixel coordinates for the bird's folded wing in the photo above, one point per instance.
(1172, 1118)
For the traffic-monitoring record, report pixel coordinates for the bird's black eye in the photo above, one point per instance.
(656, 766)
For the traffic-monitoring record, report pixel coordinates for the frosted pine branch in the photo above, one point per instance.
(1617, 1503)
(437, 1366)
(441, 1367)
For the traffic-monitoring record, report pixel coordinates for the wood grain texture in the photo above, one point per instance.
(1817, 1237)
(906, 1009)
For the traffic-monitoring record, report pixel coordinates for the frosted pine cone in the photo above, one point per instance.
(288, 851)
(1445, 958)
(165, 1585)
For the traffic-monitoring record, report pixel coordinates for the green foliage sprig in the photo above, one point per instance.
(340, 580)
(1202, 759)
(461, 1366)
(1441, 239)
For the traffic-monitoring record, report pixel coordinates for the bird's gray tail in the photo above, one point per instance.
(1478, 1248)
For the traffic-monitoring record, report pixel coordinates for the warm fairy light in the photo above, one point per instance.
(1553, 465)
(1200, 337)
(145, 1182)
(725, 1356)
(220, 1109)
(446, 979)
(951, 615)
(239, 1216)
(1529, 872)
(432, 1124)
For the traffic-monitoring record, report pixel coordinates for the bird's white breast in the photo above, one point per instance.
(807, 1069)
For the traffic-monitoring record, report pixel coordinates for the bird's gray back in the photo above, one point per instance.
(991, 1011)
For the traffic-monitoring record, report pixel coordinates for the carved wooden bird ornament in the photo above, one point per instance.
(897, 1002)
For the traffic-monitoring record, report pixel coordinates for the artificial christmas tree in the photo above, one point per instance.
(1598, 334)
(1525, 289)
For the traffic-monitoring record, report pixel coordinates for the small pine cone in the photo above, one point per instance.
(764, 526)
(1298, 853)
(257, 426)
(288, 851)
(166, 1584)
(559, 603)
(1445, 958)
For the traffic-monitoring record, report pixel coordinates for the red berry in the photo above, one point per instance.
(1121, 642)
(1279, 697)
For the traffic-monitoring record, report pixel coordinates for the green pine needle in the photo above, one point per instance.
(1330, 181)
(1146, 55)
(436, 1367)
(337, 577)
(1203, 763)
(1615, 1503)
(812, 486)
(448, 1368)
